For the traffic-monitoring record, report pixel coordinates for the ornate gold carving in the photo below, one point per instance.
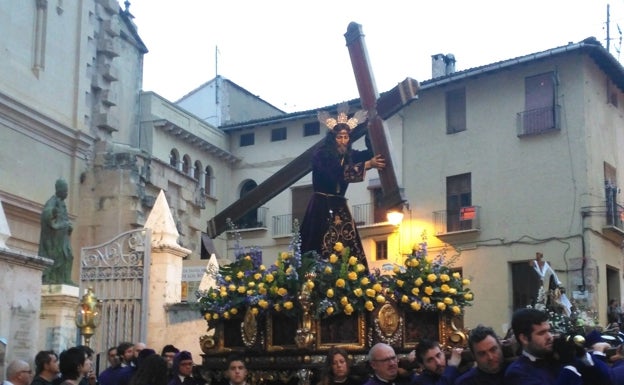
(389, 319)
(249, 329)
(455, 337)
(207, 343)
(305, 337)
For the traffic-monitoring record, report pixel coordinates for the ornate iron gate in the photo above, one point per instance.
(118, 272)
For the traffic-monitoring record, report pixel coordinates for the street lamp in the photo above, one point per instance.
(395, 217)
(88, 314)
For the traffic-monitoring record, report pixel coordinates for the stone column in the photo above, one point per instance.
(165, 273)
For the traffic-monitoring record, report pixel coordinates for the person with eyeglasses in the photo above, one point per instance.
(385, 364)
(183, 370)
(18, 372)
(436, 370)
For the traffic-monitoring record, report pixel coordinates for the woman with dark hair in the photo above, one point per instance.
(152, 371)
(337, 369)
(73, 365)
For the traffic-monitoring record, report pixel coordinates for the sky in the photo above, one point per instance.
(293, 54)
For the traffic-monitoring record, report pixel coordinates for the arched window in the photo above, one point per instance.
(250, 219)
(209, 181)
(174, 158)
(186, 165)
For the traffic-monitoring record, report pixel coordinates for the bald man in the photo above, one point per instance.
(385, 365)
(18, 372)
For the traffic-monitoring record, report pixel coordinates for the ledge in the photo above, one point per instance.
(458, 236)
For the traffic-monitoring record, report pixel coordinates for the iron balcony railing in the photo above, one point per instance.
(615, 215)
(539, 120)
(254, 219)
(452, 221)
(363, 214)
(282, 225)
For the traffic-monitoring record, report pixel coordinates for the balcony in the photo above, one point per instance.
(451, 223)
(253, 220)
(282, 225)
(363, 214)
(614, 226)
(539, 121)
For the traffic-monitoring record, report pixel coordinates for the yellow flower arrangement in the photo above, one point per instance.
(247, 284)
(429, 283)
(339, 285)
(239, 285)
(344, 286)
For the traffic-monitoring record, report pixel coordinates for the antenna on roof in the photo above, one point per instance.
(608, 22)
(619, 47)
(217, 74)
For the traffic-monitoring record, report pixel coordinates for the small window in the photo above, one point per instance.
(173, 158)
(311, 129)
(278, 134)
(456, 111)
(381, 250)
(247, 139)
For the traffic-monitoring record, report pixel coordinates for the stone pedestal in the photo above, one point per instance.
(57, 325)
(20, 282)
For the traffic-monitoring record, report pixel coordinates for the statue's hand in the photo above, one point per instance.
(378, 162)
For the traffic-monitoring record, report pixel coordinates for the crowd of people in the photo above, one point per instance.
(539, 358)
(128, 364)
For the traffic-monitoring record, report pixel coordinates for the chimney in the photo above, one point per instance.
(450, 63)
(442, 65)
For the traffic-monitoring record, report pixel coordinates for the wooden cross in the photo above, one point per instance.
(378, 107)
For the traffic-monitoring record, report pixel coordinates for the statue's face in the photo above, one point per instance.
(61, 192)
(342, 141)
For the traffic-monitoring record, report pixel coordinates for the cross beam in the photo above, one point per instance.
(378, 132)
